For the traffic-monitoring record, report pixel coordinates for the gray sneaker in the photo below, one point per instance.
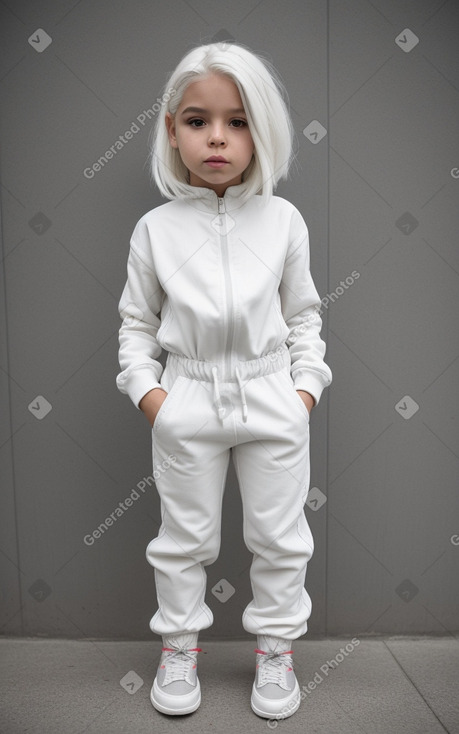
(176, 689)
(275, 692)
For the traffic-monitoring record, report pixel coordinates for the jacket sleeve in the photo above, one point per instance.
(301, 311)
(139, 307)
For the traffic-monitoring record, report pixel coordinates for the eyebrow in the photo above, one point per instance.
(200, 110)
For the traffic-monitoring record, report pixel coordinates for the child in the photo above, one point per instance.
(219, 277)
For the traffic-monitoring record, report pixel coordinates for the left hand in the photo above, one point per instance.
(307, 399)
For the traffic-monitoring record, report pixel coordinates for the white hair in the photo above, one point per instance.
(262, 93)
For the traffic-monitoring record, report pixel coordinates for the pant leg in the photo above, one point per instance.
(188, 440)
(272, 466)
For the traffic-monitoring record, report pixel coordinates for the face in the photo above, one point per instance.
(217, 128)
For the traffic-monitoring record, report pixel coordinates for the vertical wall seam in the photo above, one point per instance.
(10, 415)
(327, 428)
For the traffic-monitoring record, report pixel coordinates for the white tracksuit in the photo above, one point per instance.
(223, 284)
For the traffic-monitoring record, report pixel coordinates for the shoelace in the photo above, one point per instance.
(273, 667)
(178, 662)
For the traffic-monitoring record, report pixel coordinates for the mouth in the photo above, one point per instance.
(216, 162)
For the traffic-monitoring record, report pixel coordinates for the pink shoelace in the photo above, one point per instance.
(273, 655)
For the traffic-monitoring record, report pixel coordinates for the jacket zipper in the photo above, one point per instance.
(228, 289)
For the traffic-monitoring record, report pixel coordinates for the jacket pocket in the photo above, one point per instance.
(165, 407)
(279, 314)
(166, 319)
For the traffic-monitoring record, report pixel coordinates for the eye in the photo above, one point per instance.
(234, 123)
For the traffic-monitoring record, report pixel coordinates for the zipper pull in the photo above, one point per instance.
(221, 205)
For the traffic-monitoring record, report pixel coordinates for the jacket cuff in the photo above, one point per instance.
(138, 382)
(305, 380)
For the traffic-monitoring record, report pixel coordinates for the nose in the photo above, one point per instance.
(217, 136)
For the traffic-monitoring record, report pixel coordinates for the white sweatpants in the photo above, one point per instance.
(258, 416)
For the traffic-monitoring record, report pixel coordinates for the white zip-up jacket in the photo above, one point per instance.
(220, 279)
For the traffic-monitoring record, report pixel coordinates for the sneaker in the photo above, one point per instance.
(176, 689)
(275, 692)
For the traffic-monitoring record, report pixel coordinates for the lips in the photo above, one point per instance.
(216, 159)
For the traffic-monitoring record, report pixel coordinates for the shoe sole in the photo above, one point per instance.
(159, 698)
(284, 712)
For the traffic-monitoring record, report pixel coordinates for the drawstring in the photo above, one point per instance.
(244, 401)
(218, 400)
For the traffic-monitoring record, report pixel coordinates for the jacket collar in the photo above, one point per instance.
(205, 199)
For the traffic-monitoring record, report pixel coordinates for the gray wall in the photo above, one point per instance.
(380, 195)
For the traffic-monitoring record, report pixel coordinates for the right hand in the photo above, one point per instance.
(151, 403)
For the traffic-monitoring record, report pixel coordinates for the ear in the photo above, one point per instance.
(170, 125)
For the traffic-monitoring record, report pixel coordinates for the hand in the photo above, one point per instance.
(307, 399)
(151, 403)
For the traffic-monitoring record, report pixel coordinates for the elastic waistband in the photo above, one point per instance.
(272, 361)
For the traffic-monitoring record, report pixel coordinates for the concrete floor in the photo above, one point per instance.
(383, 685)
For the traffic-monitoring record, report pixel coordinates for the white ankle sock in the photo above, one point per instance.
(275, 644)
(183, 639)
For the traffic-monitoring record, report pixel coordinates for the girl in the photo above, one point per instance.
(219, 277)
